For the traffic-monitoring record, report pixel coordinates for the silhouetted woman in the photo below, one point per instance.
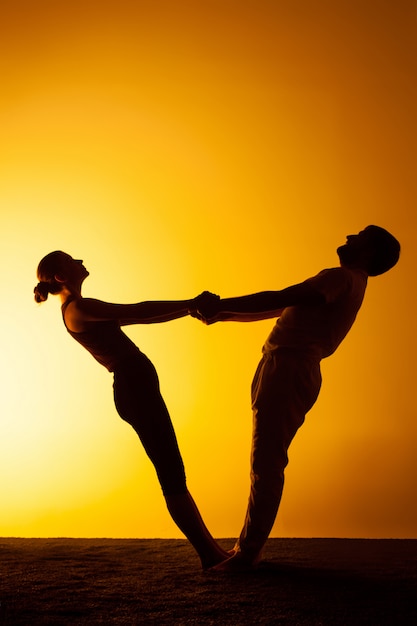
(96, 325)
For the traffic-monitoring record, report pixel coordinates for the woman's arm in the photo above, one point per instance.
(85, 310)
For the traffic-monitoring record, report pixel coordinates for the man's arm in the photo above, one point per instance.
(258, 306)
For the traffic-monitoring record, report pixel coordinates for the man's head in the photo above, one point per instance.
(373, 250)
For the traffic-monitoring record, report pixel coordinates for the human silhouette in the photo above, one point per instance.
(96, 325)
(313, 318)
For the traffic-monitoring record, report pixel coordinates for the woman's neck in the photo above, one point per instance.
(70, 292)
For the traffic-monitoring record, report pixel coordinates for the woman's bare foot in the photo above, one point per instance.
(216, 559)
(235, 563)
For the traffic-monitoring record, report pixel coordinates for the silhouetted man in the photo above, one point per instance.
(313, 318)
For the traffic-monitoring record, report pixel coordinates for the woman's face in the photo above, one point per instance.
(73, 270)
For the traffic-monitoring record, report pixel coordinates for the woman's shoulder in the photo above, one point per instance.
(83, 310)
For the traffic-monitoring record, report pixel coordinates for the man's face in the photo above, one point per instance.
(355, 248)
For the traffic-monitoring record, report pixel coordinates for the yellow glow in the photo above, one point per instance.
(184, 146)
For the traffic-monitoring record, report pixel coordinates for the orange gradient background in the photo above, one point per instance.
(228, 145)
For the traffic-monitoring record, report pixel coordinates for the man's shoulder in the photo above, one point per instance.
(333, 270)
(332, 282)
(331, 274)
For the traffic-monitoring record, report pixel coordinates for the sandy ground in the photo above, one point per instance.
(303, 582)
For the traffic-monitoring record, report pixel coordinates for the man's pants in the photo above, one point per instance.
(285, 387)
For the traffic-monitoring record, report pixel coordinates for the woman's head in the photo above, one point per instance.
(56, 271)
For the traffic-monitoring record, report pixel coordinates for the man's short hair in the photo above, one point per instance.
(385, 248)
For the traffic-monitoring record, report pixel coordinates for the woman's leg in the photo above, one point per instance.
(139, 402)
(187, 517)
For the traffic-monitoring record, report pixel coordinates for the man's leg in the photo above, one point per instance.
(284, 388)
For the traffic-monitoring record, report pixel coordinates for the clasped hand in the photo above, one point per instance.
(205, 307)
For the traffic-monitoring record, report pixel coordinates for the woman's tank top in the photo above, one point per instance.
(105, 340)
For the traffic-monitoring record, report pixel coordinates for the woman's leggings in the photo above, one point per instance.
(139, 402)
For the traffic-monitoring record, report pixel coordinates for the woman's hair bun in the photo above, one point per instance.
(52, 264)
(41, 291)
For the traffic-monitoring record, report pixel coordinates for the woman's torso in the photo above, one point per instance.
(105, 341)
